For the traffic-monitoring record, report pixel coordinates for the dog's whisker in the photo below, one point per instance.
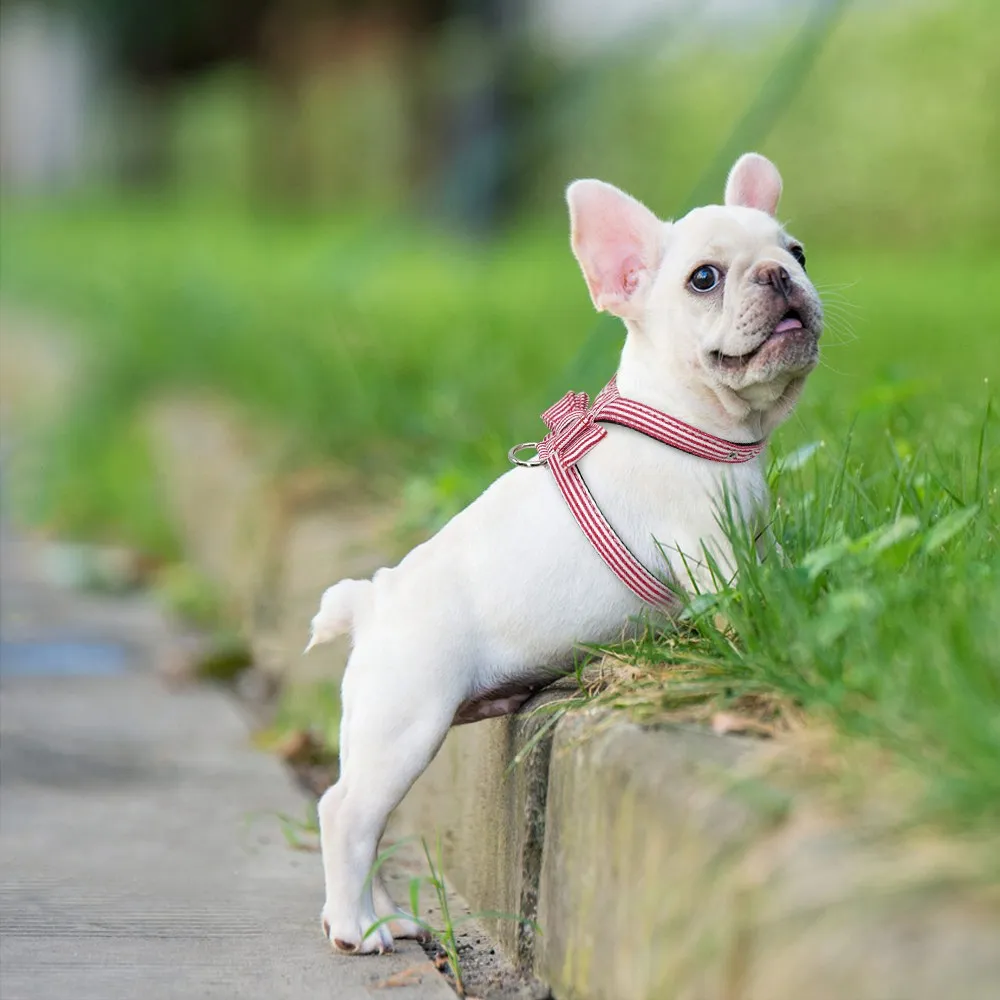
(840, 309)
(833, 286)
(849, 308)
(825, 364)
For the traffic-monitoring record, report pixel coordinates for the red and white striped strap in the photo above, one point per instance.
(574, 428)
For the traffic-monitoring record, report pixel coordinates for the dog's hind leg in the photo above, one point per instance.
(393, 731)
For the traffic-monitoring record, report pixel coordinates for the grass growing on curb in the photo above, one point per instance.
(882, 619)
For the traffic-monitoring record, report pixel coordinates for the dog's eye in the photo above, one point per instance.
(704, 278)
(799, 254)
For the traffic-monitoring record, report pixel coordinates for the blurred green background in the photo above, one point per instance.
(348, 218)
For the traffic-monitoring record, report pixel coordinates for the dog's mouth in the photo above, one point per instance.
(792, 320)
(790, 325)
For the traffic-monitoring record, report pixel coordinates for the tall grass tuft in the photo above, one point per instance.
(881, 614)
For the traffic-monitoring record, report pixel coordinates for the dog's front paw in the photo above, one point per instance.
(351, 936)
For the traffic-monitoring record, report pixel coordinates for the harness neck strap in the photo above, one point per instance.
(574, 428)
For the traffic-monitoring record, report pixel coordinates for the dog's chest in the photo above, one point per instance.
(660, 499)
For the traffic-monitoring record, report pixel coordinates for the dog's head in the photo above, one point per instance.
(719, 299)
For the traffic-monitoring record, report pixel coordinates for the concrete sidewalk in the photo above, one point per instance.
(140, 856)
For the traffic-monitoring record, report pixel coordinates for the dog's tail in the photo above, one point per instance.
(337, 608)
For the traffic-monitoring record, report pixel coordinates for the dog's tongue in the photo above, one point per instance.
(788, 323)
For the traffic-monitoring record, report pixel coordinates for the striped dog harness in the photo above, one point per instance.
(574, 428)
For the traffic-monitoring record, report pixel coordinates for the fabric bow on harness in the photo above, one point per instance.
(572, 431)
(574, 428)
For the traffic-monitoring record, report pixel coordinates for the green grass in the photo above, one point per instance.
(889, 140)
(420, 359)
(884, 621)
(373, 344)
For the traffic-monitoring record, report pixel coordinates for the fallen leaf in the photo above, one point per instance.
(296, 745)
(405, 977)
(730, 722)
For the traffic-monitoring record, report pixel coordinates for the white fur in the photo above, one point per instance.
(496, 603)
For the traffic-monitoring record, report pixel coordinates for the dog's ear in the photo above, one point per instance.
(754, 182)
(617, 241)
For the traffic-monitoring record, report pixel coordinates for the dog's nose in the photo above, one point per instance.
(777, 277)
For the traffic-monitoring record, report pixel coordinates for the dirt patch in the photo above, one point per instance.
(487, 974)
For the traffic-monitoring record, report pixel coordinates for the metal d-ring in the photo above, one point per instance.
(527, 462)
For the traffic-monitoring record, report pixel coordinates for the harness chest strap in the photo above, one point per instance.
(574, 428)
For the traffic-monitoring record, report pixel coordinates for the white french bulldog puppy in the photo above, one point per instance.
(723, 325)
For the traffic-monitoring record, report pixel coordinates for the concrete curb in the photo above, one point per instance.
(676, 867)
